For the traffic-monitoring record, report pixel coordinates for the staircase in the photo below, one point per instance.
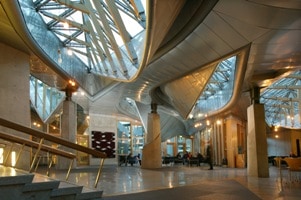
(18, 185)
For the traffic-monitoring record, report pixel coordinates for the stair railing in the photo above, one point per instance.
(44, 136)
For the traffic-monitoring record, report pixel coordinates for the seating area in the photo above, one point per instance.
(125, 160)
(279, 159)
(294, 168)
(171, 160)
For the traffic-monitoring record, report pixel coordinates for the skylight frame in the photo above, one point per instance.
(116, 57)
(282, 102)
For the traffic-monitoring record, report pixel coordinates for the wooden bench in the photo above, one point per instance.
(39, 147)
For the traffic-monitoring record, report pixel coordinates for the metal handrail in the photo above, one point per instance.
(39, 146)
(57, 140)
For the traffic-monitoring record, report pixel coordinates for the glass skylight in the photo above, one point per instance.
(100, 33)
(218, 90)
(282, 102)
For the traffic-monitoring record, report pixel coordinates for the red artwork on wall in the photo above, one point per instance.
(104, 142)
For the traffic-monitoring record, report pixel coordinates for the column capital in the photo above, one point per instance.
(153, 107)
(69, 89)
(255, 95)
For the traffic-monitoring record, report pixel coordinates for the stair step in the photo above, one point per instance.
(11, 176)
(36, 186)
(66, 189)
(89, 194)
(16, 180)
(18, 184)
(41, 191)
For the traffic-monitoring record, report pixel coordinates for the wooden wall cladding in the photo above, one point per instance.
(104, 142)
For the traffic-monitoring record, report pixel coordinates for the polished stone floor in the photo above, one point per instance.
(116, 180)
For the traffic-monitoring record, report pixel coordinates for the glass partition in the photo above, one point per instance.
(138, 139)
(124, 137)
(130, 138)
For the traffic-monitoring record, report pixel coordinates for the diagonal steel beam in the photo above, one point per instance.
(122, 30)
(109, 33)
(64, 20)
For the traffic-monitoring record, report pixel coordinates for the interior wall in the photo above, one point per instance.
(14, 85)
(102, 123)
(279, 143)
(295, 138)
(14, 92)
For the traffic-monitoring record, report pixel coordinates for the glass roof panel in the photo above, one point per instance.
(218, 90)
(282, 102)
(98, 32)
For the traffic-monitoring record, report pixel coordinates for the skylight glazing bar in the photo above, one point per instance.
(64, 20)
(74, 5)
(40, 3)
(125, 7)
(138, 11)
(95, 61)
(122, 30)
(104, 49)
(74, 37)
(109, 33)
(97, 53)
(65, 14)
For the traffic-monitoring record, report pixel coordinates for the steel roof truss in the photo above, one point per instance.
(70, 22)
(101, 50)
(123, 32)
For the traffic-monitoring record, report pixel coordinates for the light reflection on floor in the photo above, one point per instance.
(120, 180)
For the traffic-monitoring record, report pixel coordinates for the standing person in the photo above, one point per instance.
(185, 157)
(200, 158)
(139, 159)
(209, 157)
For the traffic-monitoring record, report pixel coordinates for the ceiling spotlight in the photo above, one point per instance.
(69, 51)
(60, 56)
(66, 25)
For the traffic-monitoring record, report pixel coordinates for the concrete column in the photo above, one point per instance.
(151, 152)
(231, 141)
(68, 129)
(14, 95)
(222, 142)
(68, 121)
(257, 142)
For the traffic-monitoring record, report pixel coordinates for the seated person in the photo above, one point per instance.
(200, 157)
(292, 155)
(130, 159)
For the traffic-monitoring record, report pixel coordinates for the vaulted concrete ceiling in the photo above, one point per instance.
(201, 33)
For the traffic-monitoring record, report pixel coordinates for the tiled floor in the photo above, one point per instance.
(120, 180)
(132, 179)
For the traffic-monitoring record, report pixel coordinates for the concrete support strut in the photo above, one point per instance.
(257, 141)
(68, 130)
(152, 158)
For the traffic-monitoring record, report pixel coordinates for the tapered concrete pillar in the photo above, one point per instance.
(151, 152)
(68, 128)
(14, 97)
(257, 141)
